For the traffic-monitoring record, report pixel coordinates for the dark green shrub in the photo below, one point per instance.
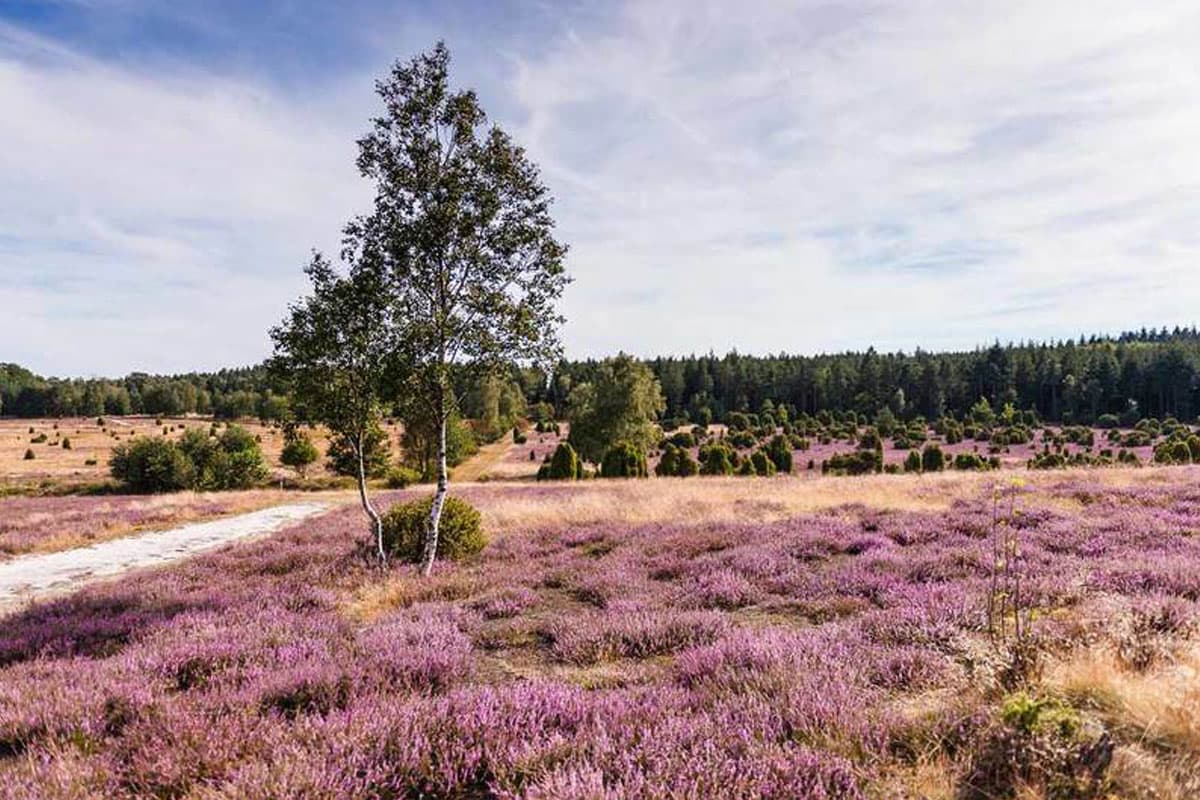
(763, 465)
(912, 462)
(39, 439)
(29, 455)
(1173, 451)
(299, 452)
(676, 462)
(741, 439)
(932, 459)
(376, 458)
(1107, 421)
(518, 437)
(151, 465)
(860, 462)
(779, 450)
(231, 461)
(717, 459)
(970, 461)
(402, 477)
(460, 531)
(564, 465)
(683, 440)
(66, 443)
(870, 440)
(623, 460)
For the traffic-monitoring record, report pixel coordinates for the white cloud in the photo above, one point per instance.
(802, 176)
(931, 173)
(158, 221)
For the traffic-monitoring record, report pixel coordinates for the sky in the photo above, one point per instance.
(764, 176)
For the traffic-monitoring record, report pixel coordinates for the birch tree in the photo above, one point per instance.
(461, 225)
(335, 350)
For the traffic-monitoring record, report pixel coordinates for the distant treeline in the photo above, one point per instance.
(1147, 373)
(1138, 374)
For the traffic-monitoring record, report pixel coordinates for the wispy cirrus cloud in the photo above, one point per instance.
(802, 176)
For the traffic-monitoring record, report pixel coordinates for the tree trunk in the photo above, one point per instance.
(376, 520)
(439, 498)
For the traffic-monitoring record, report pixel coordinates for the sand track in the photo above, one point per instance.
(33, 576)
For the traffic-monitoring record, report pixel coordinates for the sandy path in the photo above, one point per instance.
(31, 576)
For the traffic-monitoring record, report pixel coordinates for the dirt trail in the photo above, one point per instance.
(29, 577)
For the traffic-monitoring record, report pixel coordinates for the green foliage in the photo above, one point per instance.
(151, 465)
(932, 459)
(717, 459)
(29, 454)
(870, 440)
(970, 462)
(676, 462)
(913, 462)
(779, 450)
(763, 465)
(1173, 451)
(496, 404)
(741, 439)
(400, 477)
(377, 457)
(564, 465)
(460, 531)
(618, 406)
(859, 462)
(66, 443)
(231, 461)
(420, 440)
(299, 452)
(624, 460)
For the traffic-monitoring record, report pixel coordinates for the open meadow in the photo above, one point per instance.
(712, 637)
(90, 441)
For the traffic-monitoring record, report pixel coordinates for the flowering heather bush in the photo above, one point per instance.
(819, 656)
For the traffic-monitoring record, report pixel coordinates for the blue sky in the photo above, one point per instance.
(805, 176)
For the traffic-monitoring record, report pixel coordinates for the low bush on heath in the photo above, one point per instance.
(460, 531)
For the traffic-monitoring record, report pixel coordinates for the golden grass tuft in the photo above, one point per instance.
(1160, 708)
(373, 600)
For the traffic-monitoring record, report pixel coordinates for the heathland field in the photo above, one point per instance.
(712, 637)
(90, 440)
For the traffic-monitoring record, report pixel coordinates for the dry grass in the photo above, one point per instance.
(485, 461)
(93, 442)
(1160, 708)
(706, 499)
(1155, 713)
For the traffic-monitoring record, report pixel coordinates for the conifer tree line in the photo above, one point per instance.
(1146, 373)
(1135, 375)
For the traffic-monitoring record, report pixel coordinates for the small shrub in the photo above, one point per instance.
(912, 462)
(29, 456)
(299, 452)
(717, 459)
(151, 465)
(564, 465)
(66, 443)
(460, 531)
(402, 477)
(779, 450)
(623, 461)
(676, 462)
